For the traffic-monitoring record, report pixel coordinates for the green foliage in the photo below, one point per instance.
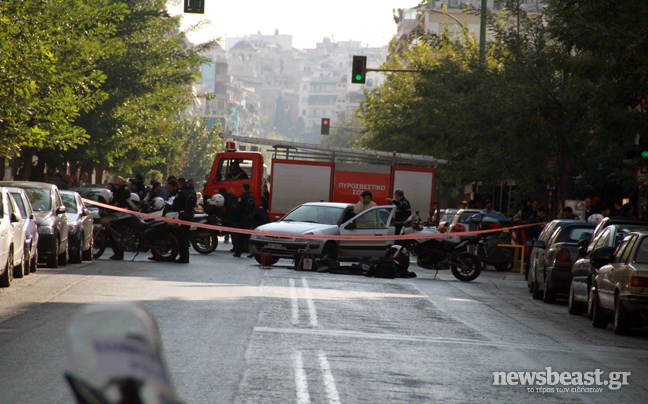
(346, 133)
(546, 92)
(49, 73)
(200, 147)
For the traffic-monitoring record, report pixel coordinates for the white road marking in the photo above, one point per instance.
(311, 305)
(460, 341)
(301, 381)
(293, 301)
(329, 381)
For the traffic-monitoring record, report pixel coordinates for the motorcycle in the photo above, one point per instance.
(131, 233)
(116, 356)
(488, 250)
(441, 253)
(204, 241)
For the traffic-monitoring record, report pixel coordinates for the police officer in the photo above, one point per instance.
(403, 210)
(184, 203)
(121, 198)
(244, 211)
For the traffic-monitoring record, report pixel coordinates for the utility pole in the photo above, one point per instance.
(482, 34)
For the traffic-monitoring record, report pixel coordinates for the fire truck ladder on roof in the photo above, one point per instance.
(307, 151)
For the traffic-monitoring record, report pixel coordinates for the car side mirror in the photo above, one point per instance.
(601, 256)
(539, 244)
(531, 243)
(14, 218)
(583, 242)
(350, 226)
(31, 216)
(60, 210)
(582, 251)
(276, 218)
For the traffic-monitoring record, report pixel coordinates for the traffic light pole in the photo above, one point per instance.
(394, 70)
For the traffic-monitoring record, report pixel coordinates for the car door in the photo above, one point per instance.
(61, 215)
(5, 231)
(86, 221)
(606, 275)
(376, 221)
(18, 229)
(537, 252)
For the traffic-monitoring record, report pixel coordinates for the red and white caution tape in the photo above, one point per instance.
(420, 236)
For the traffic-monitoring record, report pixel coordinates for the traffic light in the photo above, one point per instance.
(326, 125)
(644, 154)
(359, 69)
(194, 6)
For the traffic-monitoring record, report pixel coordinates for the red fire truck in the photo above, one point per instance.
(302, 172)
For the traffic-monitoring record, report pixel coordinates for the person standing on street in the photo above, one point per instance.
(403, 210)
(229, 216)
(244, 210)
(121, 198)
(184, 203)
(365, 203)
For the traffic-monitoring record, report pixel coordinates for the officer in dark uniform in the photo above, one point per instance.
(184, 203)
(230, 211)
(244, 211)
(121, 196)
(403, 210)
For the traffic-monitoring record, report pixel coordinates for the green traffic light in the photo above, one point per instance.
(644, 154)
(359, 77)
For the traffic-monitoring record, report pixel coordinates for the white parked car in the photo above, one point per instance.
(29, 226)
(327, 218)
(12, 239)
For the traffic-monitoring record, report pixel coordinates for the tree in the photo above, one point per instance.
(49, 72)
(347, 133)
(148, 84)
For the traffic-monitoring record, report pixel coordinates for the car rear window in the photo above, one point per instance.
(574, 234)
(21, 206)
(40, 199)
(642, 252)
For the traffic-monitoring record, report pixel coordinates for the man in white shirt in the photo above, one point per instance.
(365, 202)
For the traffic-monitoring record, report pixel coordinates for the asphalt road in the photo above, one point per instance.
(235, 333)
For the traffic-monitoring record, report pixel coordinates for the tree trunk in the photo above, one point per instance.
(28, 156)
(99, 174)
(565, 176)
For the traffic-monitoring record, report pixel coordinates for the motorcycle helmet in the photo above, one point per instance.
(596, 217)
(106, 195)
(158, 203)
(173, 215)
(134, 201)
(217, 200)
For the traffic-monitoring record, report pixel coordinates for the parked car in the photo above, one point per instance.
(620, 289)
(445, 219)
(80, 227)
(12, 239)
(460, 222)
(29, 226)
(586, 267)
(608, 221)
(51, 218)
(537, 255)
(561, 251)
(91, 193)
(326, 218)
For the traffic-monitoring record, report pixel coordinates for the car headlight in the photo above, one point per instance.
(45, 230)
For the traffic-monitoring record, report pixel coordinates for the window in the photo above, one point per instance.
(234, 170)
(70, 203)
(642, 252)
(41, 199)
(626, 253)
(373, 219)
(600, 240)
(314, 214)
(20, 203)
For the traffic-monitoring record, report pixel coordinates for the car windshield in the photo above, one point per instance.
(40, 199)
(69, 202)
(642, 252)
(465, 215)
(93, 195)
(19, 202)
(314, 214)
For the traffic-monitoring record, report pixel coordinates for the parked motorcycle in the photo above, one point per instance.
(442, 253)
(116, 357)
(131, 233)
(204, 241)
(488, 251)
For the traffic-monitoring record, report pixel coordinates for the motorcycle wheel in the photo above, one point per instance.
(99, 243)
(205, 244)
(466, 267)
(165, 247)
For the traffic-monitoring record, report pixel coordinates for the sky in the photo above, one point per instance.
(308, 21)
